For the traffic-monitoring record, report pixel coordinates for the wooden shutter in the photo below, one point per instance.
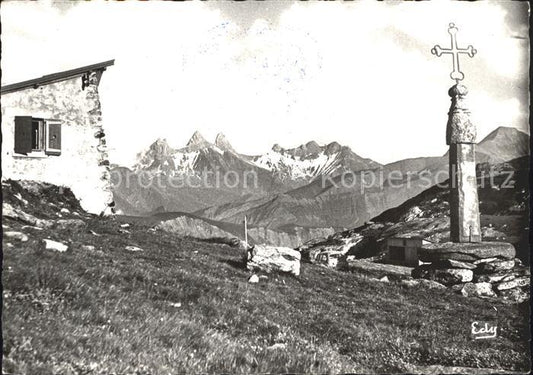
(53, 141)
(23, 134)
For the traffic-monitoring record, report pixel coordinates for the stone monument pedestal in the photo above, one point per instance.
(483, 269)
(473, 252)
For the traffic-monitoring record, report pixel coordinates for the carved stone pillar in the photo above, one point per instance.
(461, 137)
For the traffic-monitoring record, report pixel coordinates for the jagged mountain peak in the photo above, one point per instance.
(333, 148)
(311, 148)
(277, 148)
(197, 139)
(222, 143)
(157, 156)
(159, 147)
(161, 141)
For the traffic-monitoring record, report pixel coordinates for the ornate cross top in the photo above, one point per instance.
(457, 75)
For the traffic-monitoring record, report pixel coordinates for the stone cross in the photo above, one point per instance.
(461, 137)
(456, 74)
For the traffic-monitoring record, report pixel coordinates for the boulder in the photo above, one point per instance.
(69, 224)
(378, 268)
(54, 245)
(485, 260)
(468, 252)
(273, 259)
(19, 236)
(431, 284)
(240, 244)
(458, 287)
(133, 248)
(450, 263)
(517, 295)
(17, 214)
(88, 247)
(412, 214)
(491, 233)
(446, 276)
(496, 266)
(427, 283)
(254, 279)
(234, 242)
(477, 289)
(522, 271)
(277, 346)
(514, 283)
(493, 278)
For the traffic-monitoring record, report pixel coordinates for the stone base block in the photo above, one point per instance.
(264, 258)
(446, 276)
(468, 252)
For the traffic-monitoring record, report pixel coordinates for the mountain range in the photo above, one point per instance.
(310, 186)
(290, 166)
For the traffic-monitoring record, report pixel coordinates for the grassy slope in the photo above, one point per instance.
(110, 310)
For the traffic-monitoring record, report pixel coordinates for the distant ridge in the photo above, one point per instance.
(290, 189)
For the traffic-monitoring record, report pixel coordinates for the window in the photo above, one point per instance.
(35, 135)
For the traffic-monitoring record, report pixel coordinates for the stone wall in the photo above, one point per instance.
(83, 162)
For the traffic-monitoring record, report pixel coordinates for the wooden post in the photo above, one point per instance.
(245, 232)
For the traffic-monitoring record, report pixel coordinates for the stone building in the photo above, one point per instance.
(52, 131)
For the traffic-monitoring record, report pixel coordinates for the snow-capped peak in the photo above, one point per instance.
(222, 143)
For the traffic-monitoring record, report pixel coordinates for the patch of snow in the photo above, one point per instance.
(217, 149)
(184, 161)
(297, 167)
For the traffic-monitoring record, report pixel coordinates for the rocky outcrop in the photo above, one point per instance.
(191, 227)
(476, 289)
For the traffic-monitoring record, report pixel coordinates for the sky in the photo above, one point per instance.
(360, 73)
